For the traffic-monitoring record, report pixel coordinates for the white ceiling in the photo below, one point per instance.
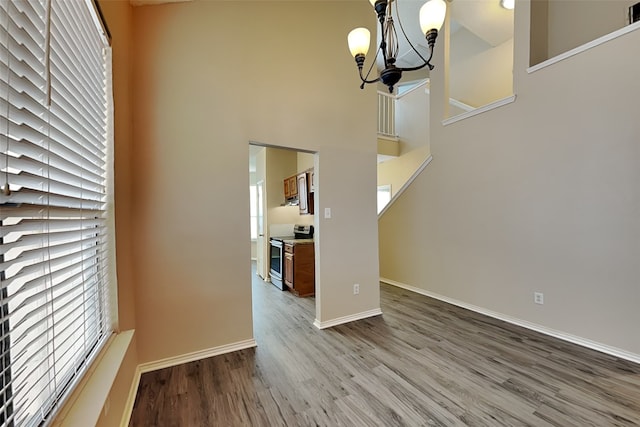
(476, 25)
(485, 18)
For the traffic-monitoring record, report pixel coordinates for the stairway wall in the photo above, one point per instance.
(537, 196)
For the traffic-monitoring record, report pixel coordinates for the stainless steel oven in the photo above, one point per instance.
(276, 261)
(276, 249)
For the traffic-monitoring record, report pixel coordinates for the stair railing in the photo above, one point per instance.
(386, 114)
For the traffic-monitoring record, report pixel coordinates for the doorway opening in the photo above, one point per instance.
(282, 187)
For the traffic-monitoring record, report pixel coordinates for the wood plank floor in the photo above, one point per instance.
(422, 363)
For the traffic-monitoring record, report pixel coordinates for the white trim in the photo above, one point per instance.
(346, 319)
(418, 85)
(173, 361)
(406, 184)
(196, 355)
(97, 20)
(461, 105)
(87, 400)
(590, 45)
(131, 399)
(386, 137)
(387, 94)
(112, 273)
(454, 102)
(603, 348)
(479, 110)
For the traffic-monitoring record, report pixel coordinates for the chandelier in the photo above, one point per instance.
(432, 15)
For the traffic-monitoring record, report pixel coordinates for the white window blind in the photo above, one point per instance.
(55, 121)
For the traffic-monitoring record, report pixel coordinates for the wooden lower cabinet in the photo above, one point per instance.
(299, 268)
(288, 269)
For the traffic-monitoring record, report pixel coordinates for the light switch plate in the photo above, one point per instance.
(327, 213)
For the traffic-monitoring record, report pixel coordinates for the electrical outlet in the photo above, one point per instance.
(356, 289)
(538, 297)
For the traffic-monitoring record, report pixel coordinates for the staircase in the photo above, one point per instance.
(402, 152)
(403, 136)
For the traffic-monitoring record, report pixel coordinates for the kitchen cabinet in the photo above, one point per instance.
(311, 193)
(288, 266)
(305, 196)
(287, 190)
(300, 187)
(299, 268)
(291, 187)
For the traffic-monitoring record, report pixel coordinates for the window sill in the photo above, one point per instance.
(86, 403)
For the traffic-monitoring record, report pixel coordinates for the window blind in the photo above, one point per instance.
(55, 118)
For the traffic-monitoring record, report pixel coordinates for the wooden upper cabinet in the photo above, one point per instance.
(287, 190)
(300, 186)
(290, 187)
(293, 186)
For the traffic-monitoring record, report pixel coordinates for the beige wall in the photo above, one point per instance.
(346, 179)
(540, 195)
(539, 34)
(573, 23)
(210, 77)
(412, 119)
(305, 161)
(483, 78)
(184, 281)
(396, 172)
(280, 164)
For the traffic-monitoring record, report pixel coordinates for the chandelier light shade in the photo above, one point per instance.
(359, 41)
(431, 17)
(508, 4)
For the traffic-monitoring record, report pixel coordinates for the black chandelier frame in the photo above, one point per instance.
(391, 74)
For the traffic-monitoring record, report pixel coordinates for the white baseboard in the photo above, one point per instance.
(613, 351)
(173, 361)
(346, 319)
(196, 355)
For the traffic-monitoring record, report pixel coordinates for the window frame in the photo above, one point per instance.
(90, 25)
